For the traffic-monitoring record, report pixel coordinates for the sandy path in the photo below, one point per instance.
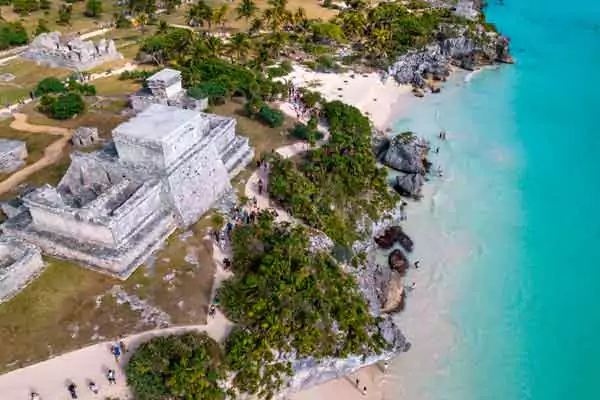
(49, 378)
(52, 153)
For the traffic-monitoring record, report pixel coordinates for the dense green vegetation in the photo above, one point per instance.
(12, 34)
(284, 299)
(62, 99)
(184, 366)
(331, 188)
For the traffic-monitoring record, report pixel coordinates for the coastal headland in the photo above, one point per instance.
(274, 319)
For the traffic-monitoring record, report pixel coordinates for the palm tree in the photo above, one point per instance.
(220, 15)
(299, 18)
(256, 26)
(246, 9)
(142, 19)
(214, 46)
(163, 26)
(277, 14)
(200, 13)
(239, 46)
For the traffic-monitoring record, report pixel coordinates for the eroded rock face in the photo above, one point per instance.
(398, 261)
(407, 154)
(409, 185)
(392, 235)
(464, 47)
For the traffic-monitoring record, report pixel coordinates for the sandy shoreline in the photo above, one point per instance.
(381, 101)
(384, 103)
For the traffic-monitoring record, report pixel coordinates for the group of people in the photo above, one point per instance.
(295, 98)
(111, 376)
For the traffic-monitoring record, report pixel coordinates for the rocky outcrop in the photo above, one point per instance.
(409, 185)
(407, 154)
(462, 46)
(392, 235)
(398, 262)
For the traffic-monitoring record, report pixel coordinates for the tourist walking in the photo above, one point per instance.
(364, 391)
(123, 347)
(260, 187)
(111, 377)
(35, 396)
(116, 350)
(93, 387)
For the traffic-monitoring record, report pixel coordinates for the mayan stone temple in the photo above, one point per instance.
(57, 51)
(164, 87)
(113, 207)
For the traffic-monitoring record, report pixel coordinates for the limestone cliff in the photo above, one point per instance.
(466, 46)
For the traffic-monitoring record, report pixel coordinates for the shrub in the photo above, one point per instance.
(184, 366)
(12, 34)
(64, 106)
(270, 116)
(303, 132)
(326, 64)
(49, 85)
(216, 92)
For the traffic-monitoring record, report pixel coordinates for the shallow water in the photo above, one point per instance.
(505, 299)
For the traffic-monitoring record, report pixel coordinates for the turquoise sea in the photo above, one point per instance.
(507, 299)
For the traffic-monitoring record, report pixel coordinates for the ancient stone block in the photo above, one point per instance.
(57, 51)
(85, 136)
(12, 155)
(20, 262)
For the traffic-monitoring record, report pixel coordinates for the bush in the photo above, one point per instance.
(64, 106)
(216, 92)
(49, 85)
(184, 366)
(12, 34)
(327, 64)
(135, 75)
(303, 132)
(273, 118)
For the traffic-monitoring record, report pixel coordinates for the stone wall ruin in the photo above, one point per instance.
(57, 51)
(13, 154)
(20, 263)
(166, 167)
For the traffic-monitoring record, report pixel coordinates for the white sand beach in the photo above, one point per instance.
(381, 101)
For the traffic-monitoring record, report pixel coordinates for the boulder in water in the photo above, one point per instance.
(393, 235)
(398, 262)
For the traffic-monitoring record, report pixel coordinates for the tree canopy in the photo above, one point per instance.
(186, 366)
(286, 300)
(333, 186)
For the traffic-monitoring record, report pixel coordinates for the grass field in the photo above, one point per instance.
(69, 307)
(27, 75)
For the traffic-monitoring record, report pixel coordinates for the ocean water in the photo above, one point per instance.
(507, 299)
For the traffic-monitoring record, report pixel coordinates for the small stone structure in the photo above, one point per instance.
(12, 155)
(165, 168)
(164, 87)
(20, 263)
(57, 51)
(85, 136)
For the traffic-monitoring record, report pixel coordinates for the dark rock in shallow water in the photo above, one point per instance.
(398, 261)
(409, 185)
(392, 235)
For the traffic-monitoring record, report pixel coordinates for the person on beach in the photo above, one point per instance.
(110, 375)
(116, 350)
(385, 366)
(35, 396)
(364, 391)
(357, 382)
(93, 387)
(260, 187)
(123, 348)
(417, 263)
